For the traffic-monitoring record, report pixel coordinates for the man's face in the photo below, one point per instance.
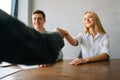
(38, 20)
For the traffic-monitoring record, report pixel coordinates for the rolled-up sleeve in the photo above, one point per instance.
(78, 38)
(105, 46)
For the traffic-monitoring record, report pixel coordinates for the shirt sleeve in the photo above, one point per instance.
(79, 38)
(105, 45)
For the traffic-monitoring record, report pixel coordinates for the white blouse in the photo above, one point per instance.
(93, 46)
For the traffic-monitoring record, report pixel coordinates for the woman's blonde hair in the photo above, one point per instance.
(98, 26)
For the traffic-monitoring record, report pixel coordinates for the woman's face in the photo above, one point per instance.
(88, 20)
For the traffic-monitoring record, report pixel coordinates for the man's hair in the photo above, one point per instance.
(39, 12)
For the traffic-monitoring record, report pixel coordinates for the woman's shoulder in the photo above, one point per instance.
(105, 35)
(82, 33)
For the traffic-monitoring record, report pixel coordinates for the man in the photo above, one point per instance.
(38, 20)
(20, 44)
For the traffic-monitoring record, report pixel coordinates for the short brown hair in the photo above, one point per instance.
(39, 12)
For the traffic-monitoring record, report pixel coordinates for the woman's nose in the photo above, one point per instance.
(87, 19)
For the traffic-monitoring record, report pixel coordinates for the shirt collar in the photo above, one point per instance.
(97, 35)
(44, 31)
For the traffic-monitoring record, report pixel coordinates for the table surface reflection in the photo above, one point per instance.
(103, 70)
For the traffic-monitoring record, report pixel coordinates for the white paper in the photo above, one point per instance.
(6, 71)
(5, 64)
(28, 66)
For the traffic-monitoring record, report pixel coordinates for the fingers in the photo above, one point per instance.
(76, 61)
(61, 31)
(44, 65)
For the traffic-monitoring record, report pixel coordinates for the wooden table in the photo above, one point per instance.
(104, 70)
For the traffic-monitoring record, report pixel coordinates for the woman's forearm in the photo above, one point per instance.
(100, 57)
(67, 36)
(71, 40)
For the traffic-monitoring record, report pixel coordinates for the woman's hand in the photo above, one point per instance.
(78, 61)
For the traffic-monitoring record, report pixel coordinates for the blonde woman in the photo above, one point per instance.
(94, 40)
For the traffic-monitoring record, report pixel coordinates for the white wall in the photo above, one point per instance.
(68, 15)
(25, 11)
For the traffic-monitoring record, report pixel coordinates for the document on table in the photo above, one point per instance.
(5, 64)
(6, 71)
(28, 66)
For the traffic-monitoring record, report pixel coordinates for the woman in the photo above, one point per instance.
(94, 41)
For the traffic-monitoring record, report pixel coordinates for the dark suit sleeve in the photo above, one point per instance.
(20, 44)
